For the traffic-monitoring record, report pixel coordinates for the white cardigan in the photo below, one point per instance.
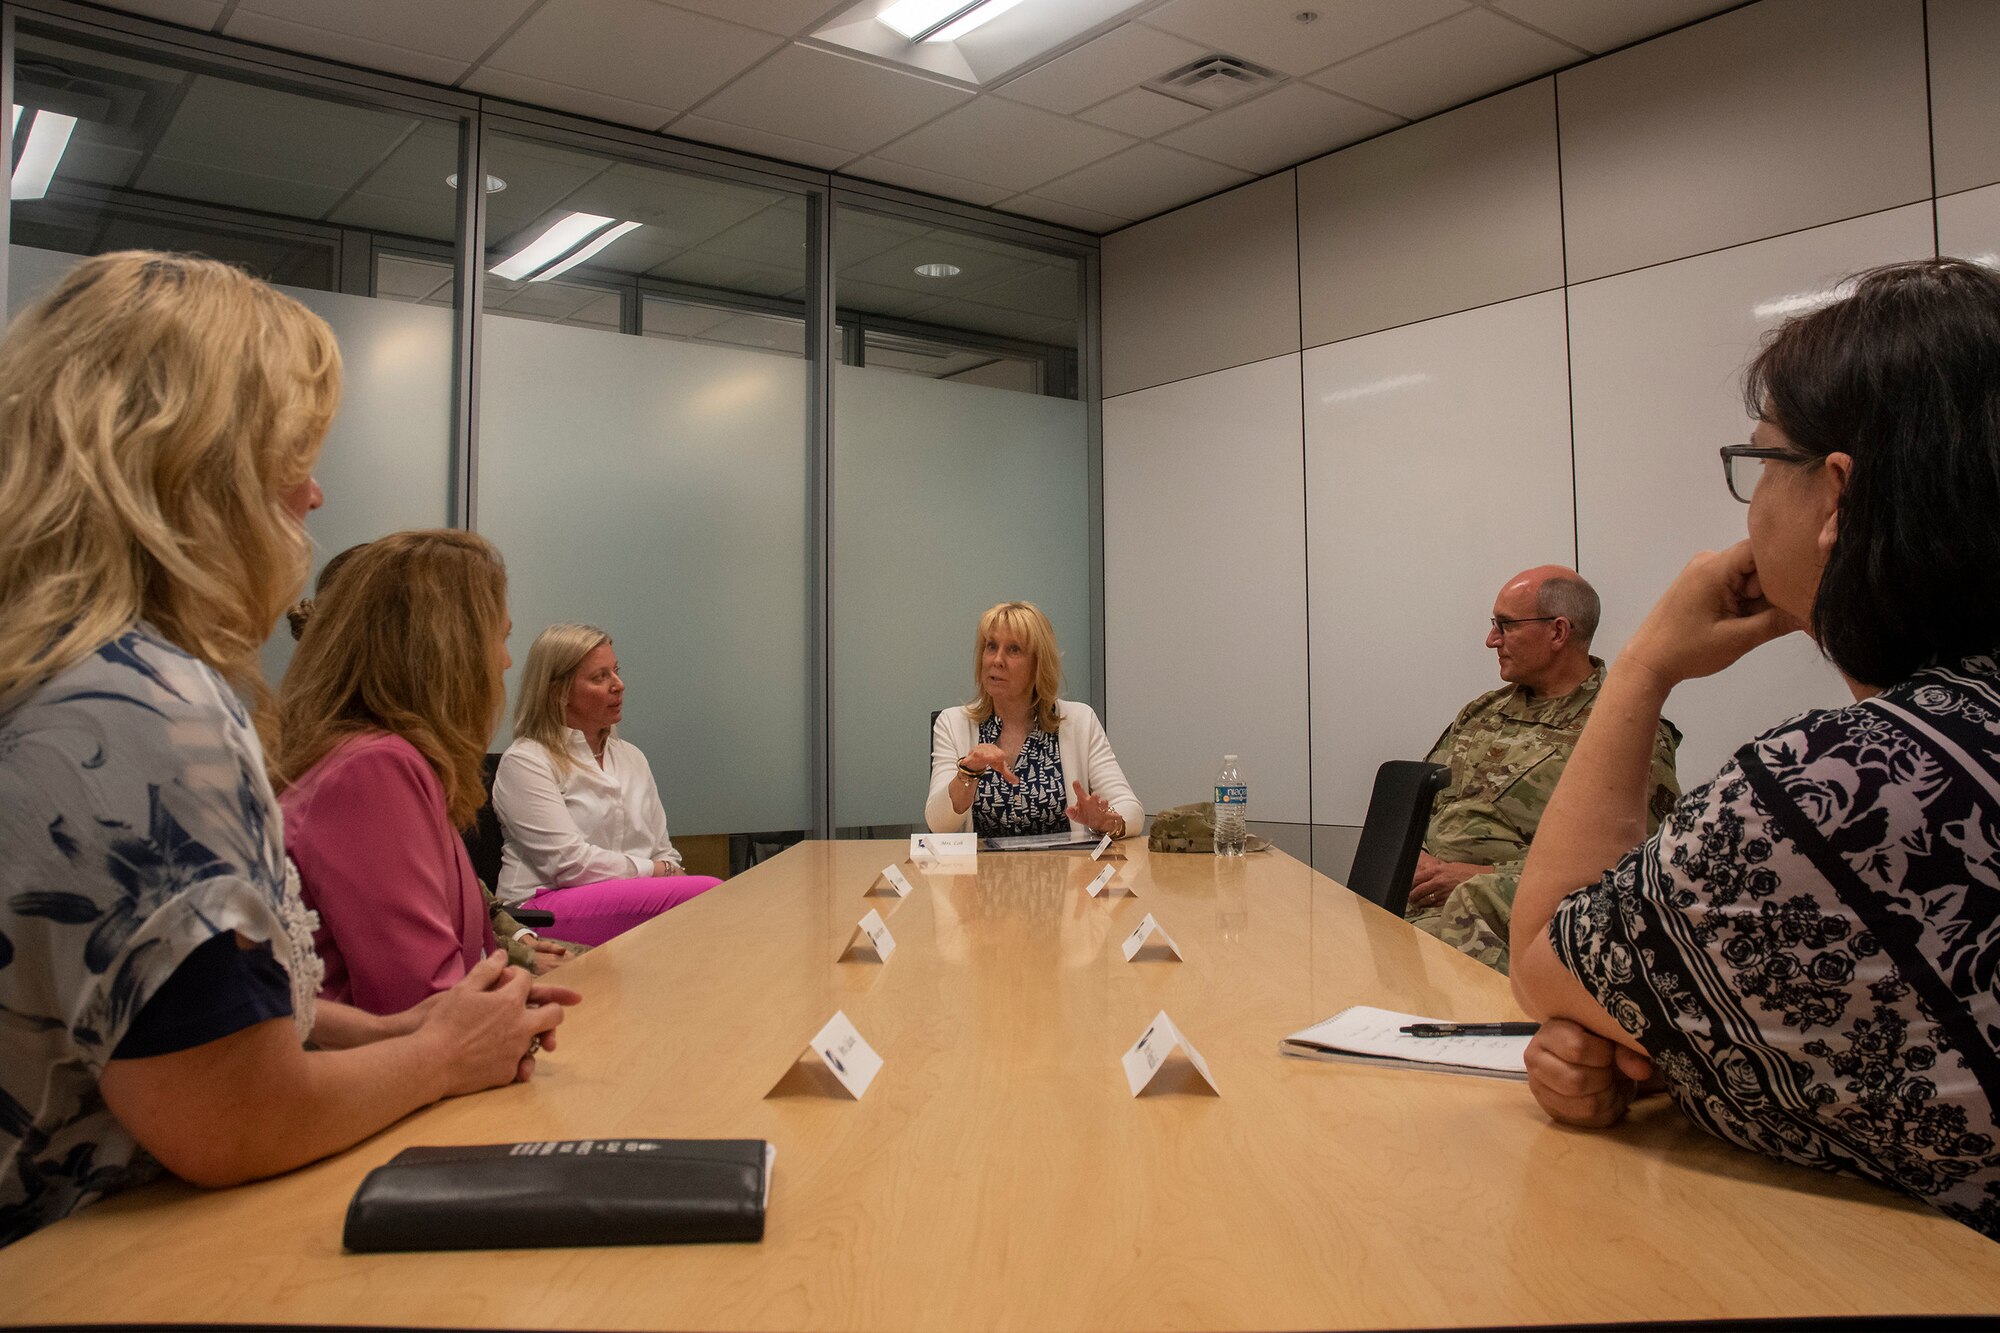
(590, 825)
(1086, 758)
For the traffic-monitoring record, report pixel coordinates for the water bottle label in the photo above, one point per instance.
(1237, 795)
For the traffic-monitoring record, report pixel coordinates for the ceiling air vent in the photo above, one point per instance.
(1215, 81)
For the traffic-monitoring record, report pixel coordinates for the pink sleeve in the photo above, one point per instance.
(385, 886)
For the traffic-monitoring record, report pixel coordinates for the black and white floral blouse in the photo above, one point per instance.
(1809, 949)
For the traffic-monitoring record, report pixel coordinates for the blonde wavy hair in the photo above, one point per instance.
(407, 640)
(154, 411)
(545, 682)
(1025, 621)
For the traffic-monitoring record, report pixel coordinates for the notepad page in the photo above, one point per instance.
(1378, 1032)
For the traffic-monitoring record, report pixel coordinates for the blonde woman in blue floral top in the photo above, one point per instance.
(159, 421)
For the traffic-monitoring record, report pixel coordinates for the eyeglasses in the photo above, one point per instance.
(1501, 624)
(1743, 467)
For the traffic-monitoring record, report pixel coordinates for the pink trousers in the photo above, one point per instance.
(593, 913)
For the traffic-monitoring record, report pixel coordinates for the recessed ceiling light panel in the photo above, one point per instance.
(971, 43)
(938, 270)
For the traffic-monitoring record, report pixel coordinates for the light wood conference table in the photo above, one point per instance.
(1000, 1175)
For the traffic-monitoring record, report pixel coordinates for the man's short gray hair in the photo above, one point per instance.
(1573, 600)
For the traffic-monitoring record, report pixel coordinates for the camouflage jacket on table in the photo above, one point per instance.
(1505, 750)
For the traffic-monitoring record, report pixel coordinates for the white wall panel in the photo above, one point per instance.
(1658, 357)
(1213, 285)
(1771, 118)
(1437, 466)
(1204, 586)
(1969, 225)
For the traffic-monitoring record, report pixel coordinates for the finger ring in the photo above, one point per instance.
(534, 1043)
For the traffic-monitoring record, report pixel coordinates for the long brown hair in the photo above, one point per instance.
(154, 410)
(405, 641)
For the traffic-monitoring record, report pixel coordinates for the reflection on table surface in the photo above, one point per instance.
(999, 1174)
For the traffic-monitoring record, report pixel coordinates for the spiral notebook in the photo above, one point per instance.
(1362, 1035)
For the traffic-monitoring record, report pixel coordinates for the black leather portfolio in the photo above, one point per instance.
(505, 1196)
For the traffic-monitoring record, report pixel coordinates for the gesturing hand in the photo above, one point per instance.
(1092, 811)
(1712, 615)
(1436, 879)
(991, 758)
(1582, 1079)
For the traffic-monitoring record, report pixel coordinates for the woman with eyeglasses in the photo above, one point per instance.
(1807, 955)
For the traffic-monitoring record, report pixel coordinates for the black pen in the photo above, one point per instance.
(1472, 1029)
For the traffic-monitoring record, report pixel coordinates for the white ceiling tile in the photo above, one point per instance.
(747, 140)
(1596, 26)
(458, 31)
(1141, 112)
(1003, 143)
(410, 279)
(1142, 181)
(306, 40)
(1266, 32)
(1063, 215)
(563, 97)
(930, 182)
(1452, 62)
(638, 51)
(1282, 127)
(817, 96)
(187, 13)
(1123, 58)
(789, 18)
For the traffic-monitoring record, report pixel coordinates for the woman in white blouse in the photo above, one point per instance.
(586, 836)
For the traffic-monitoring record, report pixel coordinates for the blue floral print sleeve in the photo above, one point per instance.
(136, 824)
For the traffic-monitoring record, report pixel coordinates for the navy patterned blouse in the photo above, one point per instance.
(1809, 949)
(1037, 805)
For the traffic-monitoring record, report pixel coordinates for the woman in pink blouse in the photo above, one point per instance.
(384, 718)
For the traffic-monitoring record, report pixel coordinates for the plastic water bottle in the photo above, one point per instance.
(1232, 809)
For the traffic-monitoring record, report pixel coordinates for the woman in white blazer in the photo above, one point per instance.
(1019, 759)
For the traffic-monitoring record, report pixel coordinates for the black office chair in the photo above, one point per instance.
(483, 843)
(1385, 860)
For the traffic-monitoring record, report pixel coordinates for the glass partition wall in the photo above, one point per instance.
(782, 439)
(313, 192)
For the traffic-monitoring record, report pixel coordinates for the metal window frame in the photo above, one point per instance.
(829, 342)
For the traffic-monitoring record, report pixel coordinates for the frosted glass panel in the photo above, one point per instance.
(947, 498)
(386, 464)
(658, 489)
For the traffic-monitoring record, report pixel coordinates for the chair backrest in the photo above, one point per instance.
(484, 840)
(1385, 860)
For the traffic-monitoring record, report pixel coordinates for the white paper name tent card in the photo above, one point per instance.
(1149, 1054)
(928, 847)
(1149, 928)
(872, 935)
(1103, 885)
(1103, 846)
(891, 880)
(847, 1056)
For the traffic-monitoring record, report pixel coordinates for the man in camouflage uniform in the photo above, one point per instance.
(1505, 750)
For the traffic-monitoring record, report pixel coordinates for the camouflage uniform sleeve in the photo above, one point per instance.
(1664, 783)
(1474, 919)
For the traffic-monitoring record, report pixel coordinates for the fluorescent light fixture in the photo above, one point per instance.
(564, 235)
(48, 136)
(941, 20)
(938, 270)
(602, 239)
